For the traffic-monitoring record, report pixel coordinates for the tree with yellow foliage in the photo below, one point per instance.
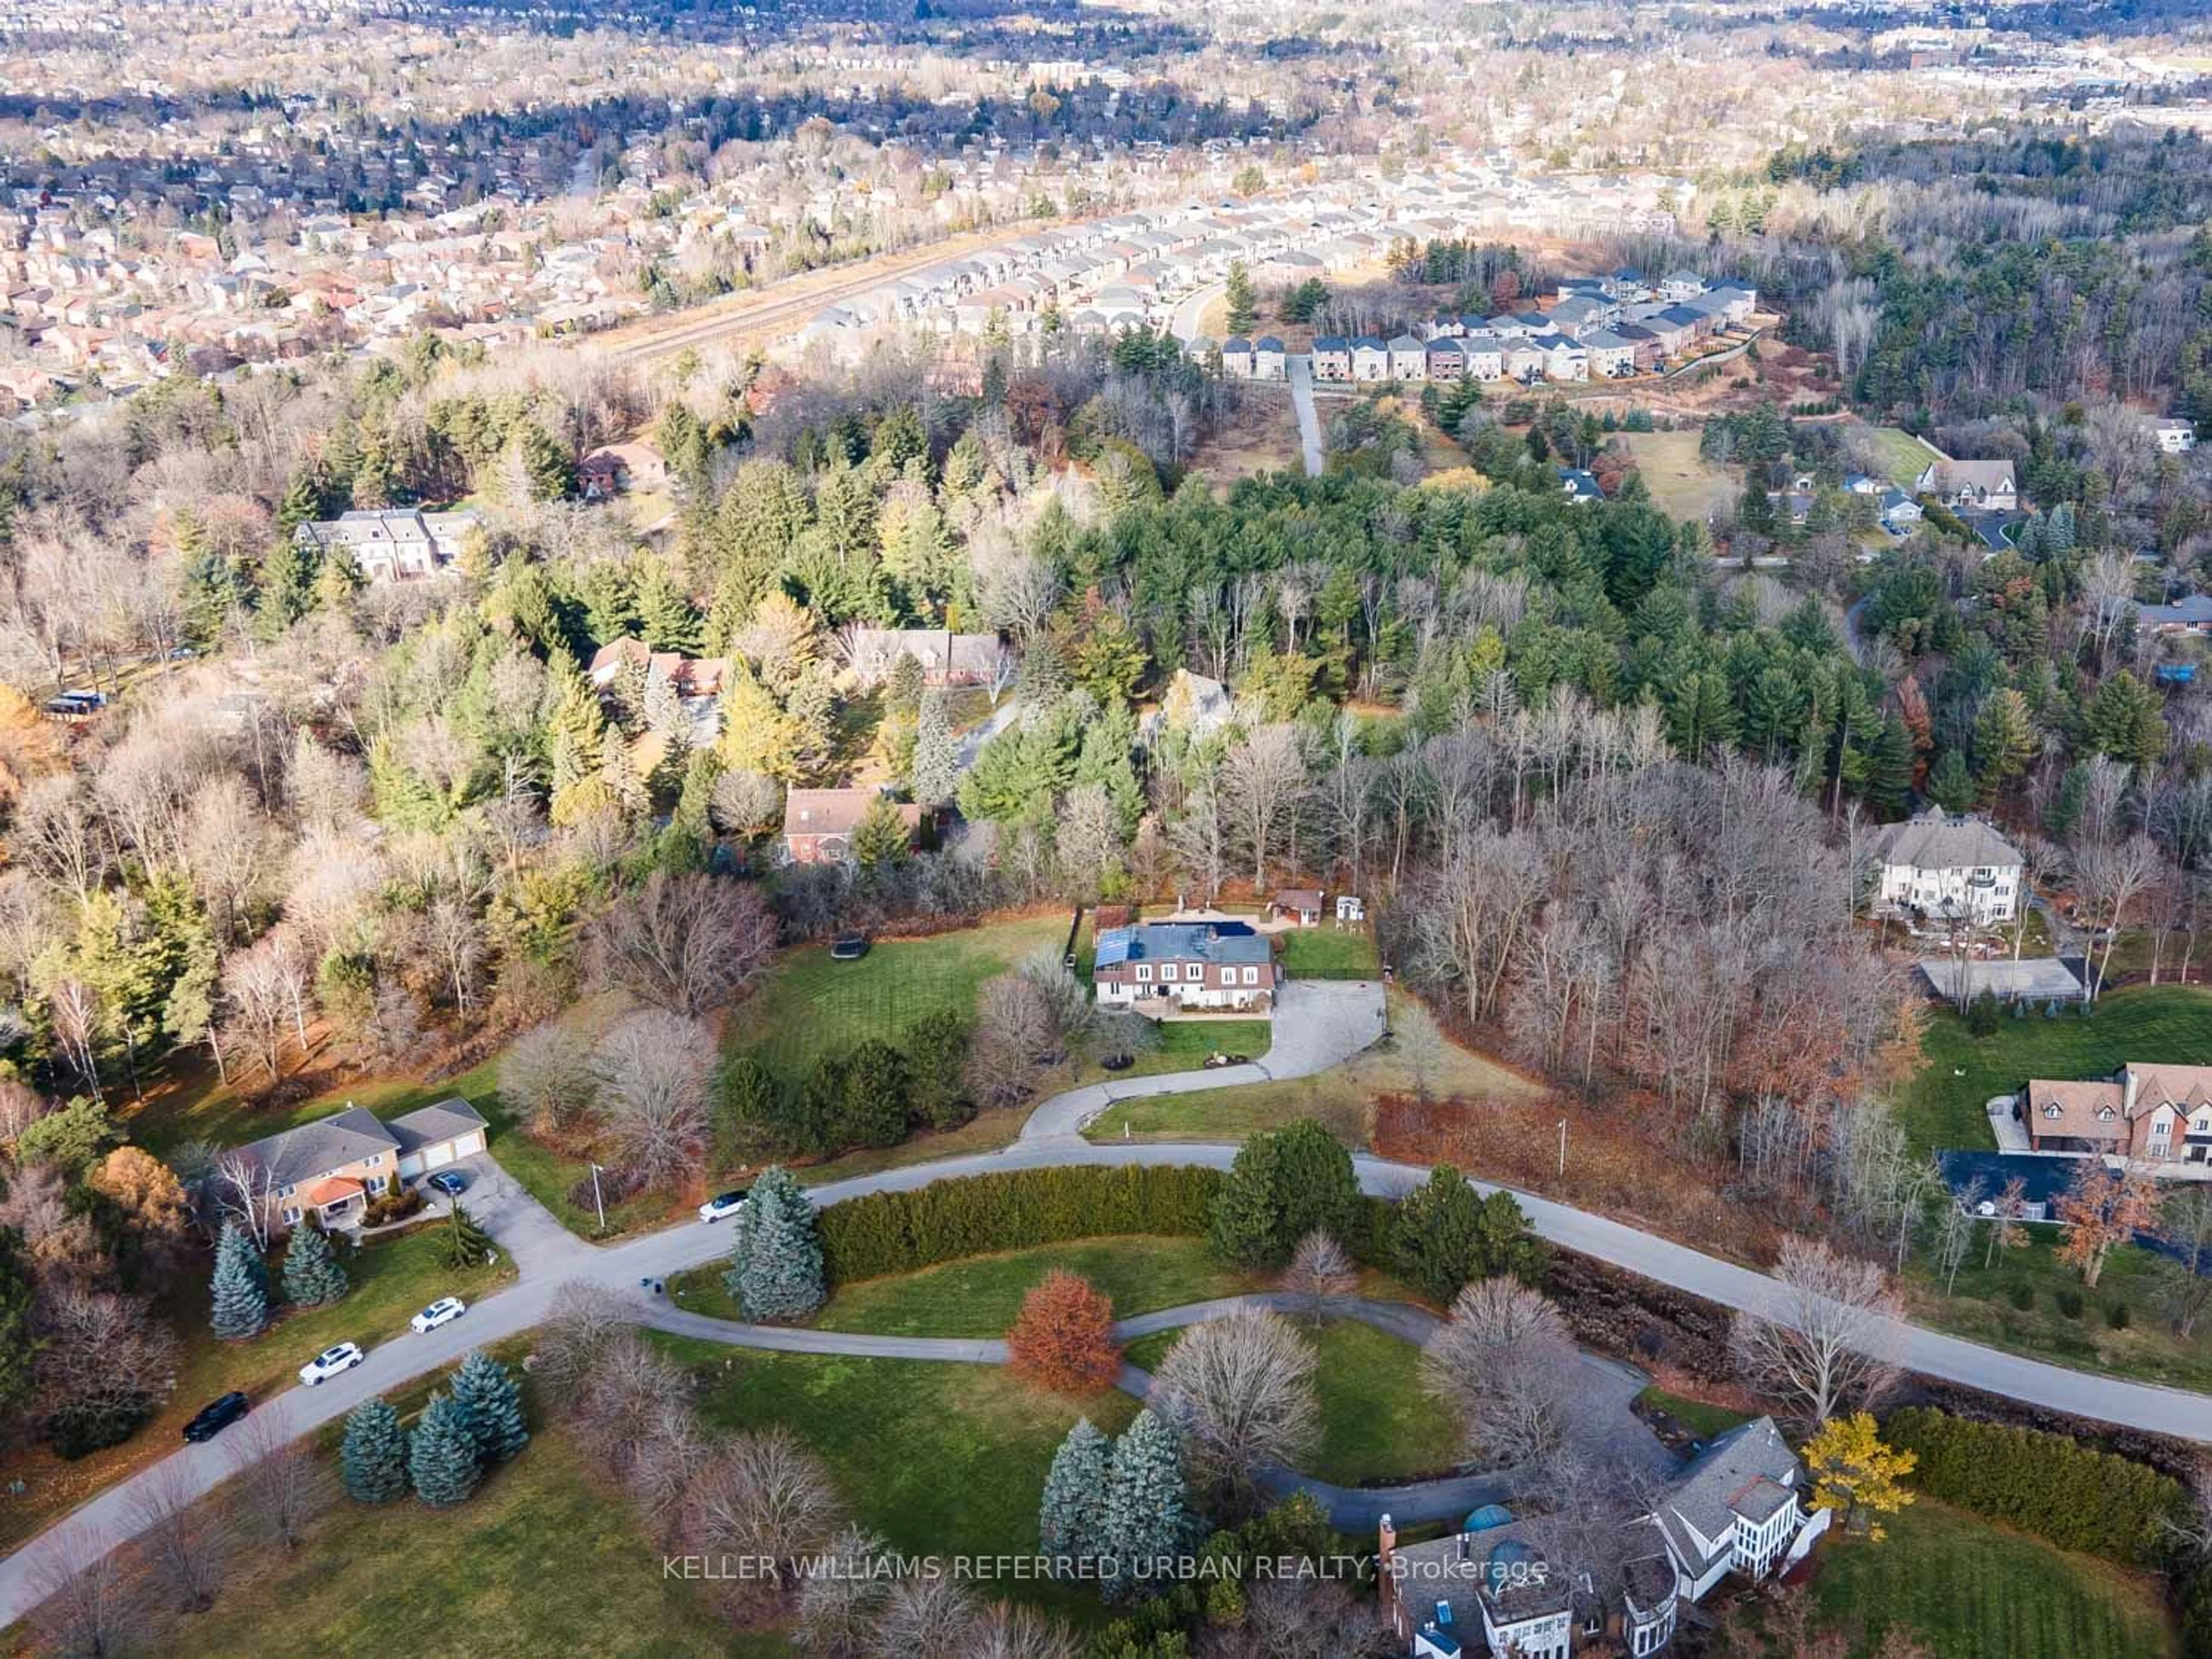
(1851, 1470)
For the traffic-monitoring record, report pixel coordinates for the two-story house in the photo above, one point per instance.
(1949, 867)
(1971, 486)
(1200, 965)
(2157, 1117)
(330, 1170)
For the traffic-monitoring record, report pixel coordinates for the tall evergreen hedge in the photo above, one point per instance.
(2047, 1483)
(896, 1232)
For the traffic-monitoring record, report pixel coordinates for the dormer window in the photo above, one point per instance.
(2052, 1110)
(2105, 1115)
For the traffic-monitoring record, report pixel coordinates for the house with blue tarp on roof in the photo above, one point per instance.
(1157, 967)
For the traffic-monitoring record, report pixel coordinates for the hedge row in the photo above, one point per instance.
(2046, 1484)
(897, 1232)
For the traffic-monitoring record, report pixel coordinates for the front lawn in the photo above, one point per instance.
(1378, 1422)
(1983, 1308)
(1700, 1417)
(1967, 1589)
(1183, 1045)
(808, 1006)
(940, 1459)
(1946, 1105)
(544, 1559)
(392, 1281)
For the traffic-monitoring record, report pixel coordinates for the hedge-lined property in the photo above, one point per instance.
(2049, 1485)
(897, 1232)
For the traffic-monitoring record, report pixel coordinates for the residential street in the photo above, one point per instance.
(1299, 367)
(393, 1360)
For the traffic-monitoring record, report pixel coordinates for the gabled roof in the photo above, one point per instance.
(1936, 840)
(1748, 1472)
(446, 1119)
(314, 1149)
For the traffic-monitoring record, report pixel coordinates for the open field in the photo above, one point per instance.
(1262, 437)
(1903, 458)
(1968, 1589)
(392, 1281)
(940, 1459)
(1683, 484)
(1945, 1105)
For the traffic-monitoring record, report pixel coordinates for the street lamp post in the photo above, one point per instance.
(1563, 1148)
(597, 1202)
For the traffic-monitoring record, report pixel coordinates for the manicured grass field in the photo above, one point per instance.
(1184, 1045)
(1982, 1309)
(1967, 1589)
(1945, 1105)
(940, 1459)
(1328, 949)
(392, 1281)
(1903, 457)
(1682, 483)
(543, 1559)
(1377, 1421)
(809, 1005)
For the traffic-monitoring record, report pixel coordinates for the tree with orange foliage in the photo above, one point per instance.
(1064, 1339)
(2102, 1207)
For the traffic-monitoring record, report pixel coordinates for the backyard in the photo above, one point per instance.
(1968, 1589)
(1682, 483)
(1945, 1104)
(1902, 457)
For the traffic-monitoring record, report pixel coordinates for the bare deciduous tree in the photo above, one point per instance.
(763, 1496)
(1505, 1363)
(929, 1615)
(584, 1318)
(89, 1601)
(685, 943)
(1241, 1391)
(653, 1069)
(283, 1482)
(546, 1076)
(184, 1536)
(1321, 1270)
(838, 1608)
(1827, 1342)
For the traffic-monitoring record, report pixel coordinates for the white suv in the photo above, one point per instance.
(723, 1204)
(444, 1311)
(329, 1362)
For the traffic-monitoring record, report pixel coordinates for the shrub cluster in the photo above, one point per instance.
(897, 1232)
(2050, 1485)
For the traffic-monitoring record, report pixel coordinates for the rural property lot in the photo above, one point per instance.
(1682, 483)
(1904, 457)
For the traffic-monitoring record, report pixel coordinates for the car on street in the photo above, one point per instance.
(723, 1204)
(329, 1362)
(848, 947)
(451, 1183)
(444, 1311)
(217, 1416)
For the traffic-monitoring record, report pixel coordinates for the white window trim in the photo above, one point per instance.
(1144, 972)
(1251, 975)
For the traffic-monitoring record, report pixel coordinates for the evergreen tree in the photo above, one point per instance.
(2004, 742)
(303, 501)
(1950, 785)
(442, 1458)
(1243, 310)
(489, 1402)
(546, 467)
(881, 839)
(1070, 1520)
(312, 1274)
(775, 1256)
(2124, 721)
(666, 618)
(935, 775)
(463, 1243)
(1889, 769)
(373, 1454)
(239, 1288)
(288, 572)
(1285, 1184)
(1146, 1513)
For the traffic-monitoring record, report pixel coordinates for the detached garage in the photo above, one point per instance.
(434, 1136)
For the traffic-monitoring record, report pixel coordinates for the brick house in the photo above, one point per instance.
(1201, 965)
(2150, 1115)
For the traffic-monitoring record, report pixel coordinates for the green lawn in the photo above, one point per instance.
(1945, 1106)
(1377, 1422)
(1700, 1417)
(809, 1005)
(940, 1459)
(1348, 952)
(1902, 457)
(1983, 1309)
(983, 1295)
(392, 1281)
(1967, 1589)
(543, 1560)
(1183, 1045)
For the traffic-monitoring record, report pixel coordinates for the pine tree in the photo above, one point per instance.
(935, 775)
(288, 586)
(1071, 1521)
(490, 1401)
(2004, 741)
(312, 1274)
(775, 1258)
(1146, 1514)
(881, 839)
(239, 1288)
(1237, 293)
(373, 1454)
(442, 1458)
(466, 1245)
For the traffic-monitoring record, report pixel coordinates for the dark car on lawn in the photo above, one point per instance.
(215, 1418)
(849, 947)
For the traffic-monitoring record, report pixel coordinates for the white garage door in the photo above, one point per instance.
(470, 1143)
(438, 1157)
(411, 1165)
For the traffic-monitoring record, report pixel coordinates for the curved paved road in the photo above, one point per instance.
(392, 1361)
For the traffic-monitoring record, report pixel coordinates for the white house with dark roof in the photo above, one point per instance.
(1206, 966)
(331, 1169)
(1949, 866)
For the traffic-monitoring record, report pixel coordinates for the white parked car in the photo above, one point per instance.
(444, 1311)
(723, 1204)
(329, 1362)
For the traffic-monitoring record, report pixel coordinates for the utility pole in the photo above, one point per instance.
(1563, 1148)
(598, 1202)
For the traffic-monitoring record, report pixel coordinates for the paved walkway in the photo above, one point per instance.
(1318, 1024)
(1299, 368)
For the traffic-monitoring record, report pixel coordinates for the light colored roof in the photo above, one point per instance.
(1982, 475)
(826, 811)
(315, 1149)
(1940, 840)
(2076, 1108)
(1746, 1472)
(446, 1119)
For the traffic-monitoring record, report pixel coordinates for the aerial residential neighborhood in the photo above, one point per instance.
(1098, 832)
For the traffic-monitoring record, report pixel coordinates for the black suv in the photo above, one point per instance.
(215, 1419)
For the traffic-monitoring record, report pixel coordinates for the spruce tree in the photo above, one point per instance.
(490, 1401)
(312, 1274)
(442, 1458)
(935, 772)
(466, 1245)
(239, 1288)
(1071, 1521)
(776, 1259)
(373, 1454)
(1146, 1515)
